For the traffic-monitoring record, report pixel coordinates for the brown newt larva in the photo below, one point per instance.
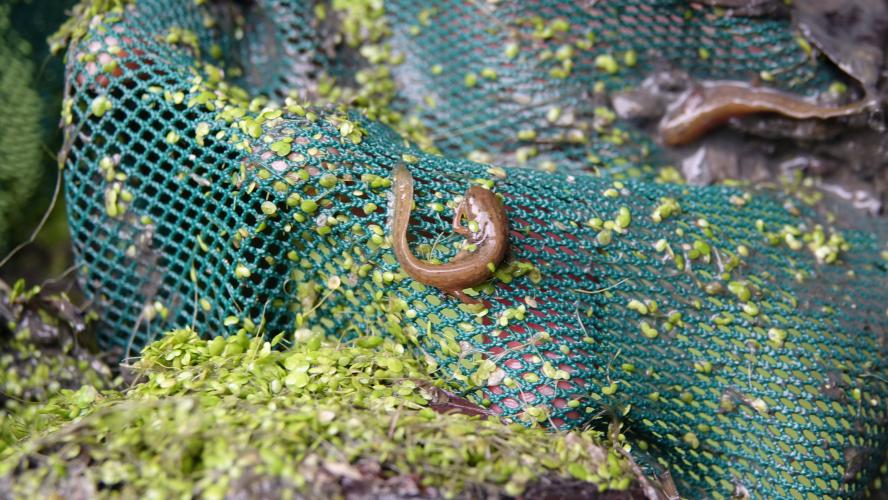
(490, 239)
(710, 104)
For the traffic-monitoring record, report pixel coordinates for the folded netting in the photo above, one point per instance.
(738, 334)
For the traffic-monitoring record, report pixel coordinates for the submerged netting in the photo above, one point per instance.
(738, 334)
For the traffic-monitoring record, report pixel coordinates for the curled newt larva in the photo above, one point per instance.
(490, 239)
(710, 104)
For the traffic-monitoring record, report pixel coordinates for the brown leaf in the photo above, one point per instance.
(446, 402)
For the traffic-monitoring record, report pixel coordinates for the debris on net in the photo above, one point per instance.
(238, 418)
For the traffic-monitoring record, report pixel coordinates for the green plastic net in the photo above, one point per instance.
(739, 335)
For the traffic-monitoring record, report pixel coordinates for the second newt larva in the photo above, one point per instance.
(710, 104)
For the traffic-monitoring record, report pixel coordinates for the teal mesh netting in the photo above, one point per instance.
(738, 334)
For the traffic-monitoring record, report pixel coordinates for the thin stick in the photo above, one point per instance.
(593, 292)
(52, 204)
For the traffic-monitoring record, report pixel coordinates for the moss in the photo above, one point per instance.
(226, 416)
(41, 354)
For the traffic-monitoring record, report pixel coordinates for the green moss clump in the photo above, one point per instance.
(237, 416)
(41, 354)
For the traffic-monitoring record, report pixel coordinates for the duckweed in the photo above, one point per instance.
(210, 419)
